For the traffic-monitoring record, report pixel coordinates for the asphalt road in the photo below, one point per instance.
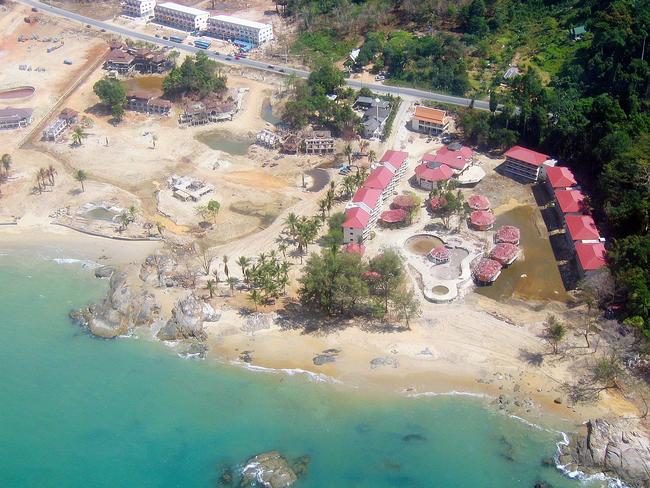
(250, 63)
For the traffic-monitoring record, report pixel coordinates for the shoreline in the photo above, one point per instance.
(501, 383)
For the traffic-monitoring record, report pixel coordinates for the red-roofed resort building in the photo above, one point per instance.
(590, 257)
(523, 163)
(364, 209)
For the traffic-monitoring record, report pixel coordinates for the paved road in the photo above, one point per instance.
(250, 63)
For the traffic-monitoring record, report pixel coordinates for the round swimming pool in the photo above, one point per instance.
(422, 244)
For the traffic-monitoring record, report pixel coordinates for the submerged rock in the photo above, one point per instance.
(269, 470)
(188, 316)
(120, 311)
(413, 438)
(617, 447)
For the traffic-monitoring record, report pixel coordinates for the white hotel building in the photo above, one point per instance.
(181, 17)
(234, 28)
(139, 8)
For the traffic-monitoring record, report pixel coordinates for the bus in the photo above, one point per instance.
(202, 44)
(176, 39)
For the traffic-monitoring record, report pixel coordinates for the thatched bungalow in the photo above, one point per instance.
(481, 220)
(504, 253)
(393, 218)
(486, 271)
(403, 202)
(508, 234)
(440, 255)
(478, 202)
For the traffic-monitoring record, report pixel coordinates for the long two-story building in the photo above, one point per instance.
(365, 207)
(181, 17)
(236, 29)
(139, 8)
(526, 164)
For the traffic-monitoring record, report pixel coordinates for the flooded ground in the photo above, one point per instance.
(319, 179)
(267, 113)
(423, 244)
(221, 140)
(148, 83)
(535, 275)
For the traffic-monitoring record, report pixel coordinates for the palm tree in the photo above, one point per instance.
(232, 283)
(372, 156)
(51, 173)
(154, 138)
(210, 286)
(363, 145)
(42, 172)
(160, 227)
(80, 175)
(225, 267)
(243, 262)
(348, 152)
(256, 297)
(291, 222)
(78, 136)
(38, 182)
(6, 162)
(322, 208)
(282, 247)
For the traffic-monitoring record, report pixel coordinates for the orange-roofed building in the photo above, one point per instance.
(429, 120)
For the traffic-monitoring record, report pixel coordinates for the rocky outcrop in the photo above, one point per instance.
(159, 270)
(269, 470)
(120, 312)
(617, 448)
(188, 316)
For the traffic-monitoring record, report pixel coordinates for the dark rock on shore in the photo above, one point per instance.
(188, 316)
(268, 470)
(120, 311)
(104, 271)
(618, 448)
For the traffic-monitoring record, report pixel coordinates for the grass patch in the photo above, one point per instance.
(323, 43)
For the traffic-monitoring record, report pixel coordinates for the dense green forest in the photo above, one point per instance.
(589, 110)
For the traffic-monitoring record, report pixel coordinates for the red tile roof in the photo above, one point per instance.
(504, 252)
(560, 177)
(430, 114)
(442, 172)
(437, 202)
(355, 248)
(380, 178)
(440, 253)
(395, 158)
(527, 155)
(369, 196)
(457, 159)
(508, 233)
(478, 202)
(481, 218)
(582, 228)
(571, 201)
(486, 269)
(591, 256)
(356, 218)
(393, 216)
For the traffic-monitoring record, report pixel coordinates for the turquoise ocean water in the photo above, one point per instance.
(79, 411)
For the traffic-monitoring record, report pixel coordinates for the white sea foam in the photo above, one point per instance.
(84, 262)
(316, 377)
(448, 393)
(579, 475)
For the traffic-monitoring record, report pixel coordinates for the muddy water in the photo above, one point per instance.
(536, 276)
(422, 245)
(147, 83)
(224, 141)
(267, 113)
